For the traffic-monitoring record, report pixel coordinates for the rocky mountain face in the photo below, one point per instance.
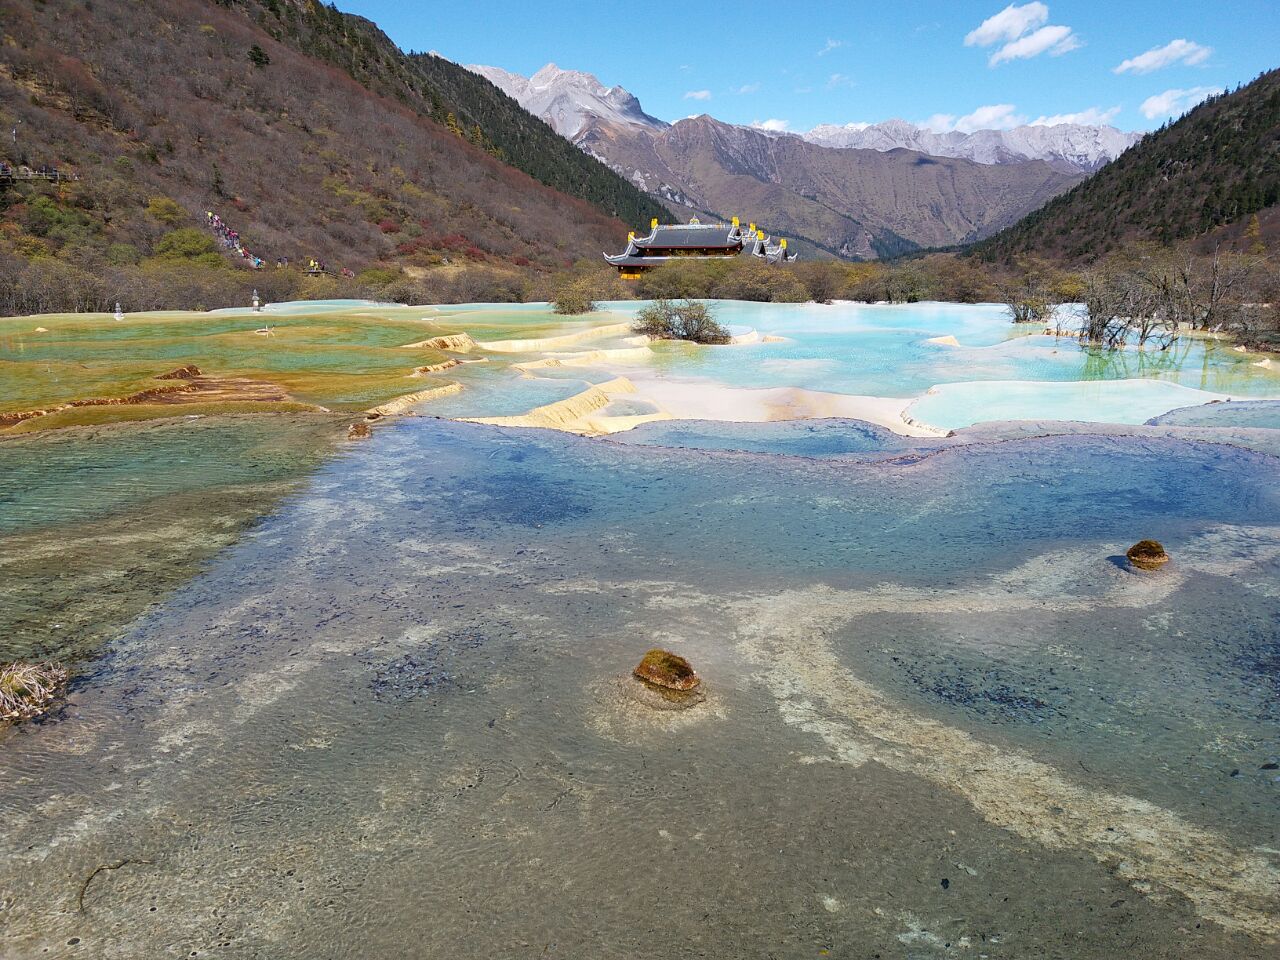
(896, 189)
(1070, 147)
(851, 203)
(569, 99)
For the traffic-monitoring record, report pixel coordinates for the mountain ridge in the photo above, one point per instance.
(569, 99)
(856, 204)
(306, 128)
(1071, 147)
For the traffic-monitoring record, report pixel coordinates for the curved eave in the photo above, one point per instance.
(730, 245)
(626, 261)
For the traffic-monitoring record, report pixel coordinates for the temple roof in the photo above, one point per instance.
(692, 236)
(728, 238)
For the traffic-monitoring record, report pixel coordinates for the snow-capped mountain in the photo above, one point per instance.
(572, 102)
(568, 100)
(1067, 146)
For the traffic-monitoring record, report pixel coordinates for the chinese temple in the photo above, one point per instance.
(696, 240)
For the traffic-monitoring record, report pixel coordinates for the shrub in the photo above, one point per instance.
(666, 669)
(258, 57)
(1147, 555)
(573, 296)
(687, 320)
(164, 210)
(121, 254)
(188, 243)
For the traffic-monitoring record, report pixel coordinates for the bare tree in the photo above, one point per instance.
(1209, 289)
(1029, 292)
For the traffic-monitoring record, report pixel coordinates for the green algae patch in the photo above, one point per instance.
(333, 360)
(100, 522)
(99, 416)
(349, 358)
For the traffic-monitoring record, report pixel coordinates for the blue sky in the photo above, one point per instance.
(792, 65)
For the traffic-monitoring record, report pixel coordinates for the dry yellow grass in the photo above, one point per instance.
(28, 689)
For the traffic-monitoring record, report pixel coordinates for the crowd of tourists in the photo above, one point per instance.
(230, 239)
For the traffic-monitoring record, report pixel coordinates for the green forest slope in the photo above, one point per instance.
(1215, 166)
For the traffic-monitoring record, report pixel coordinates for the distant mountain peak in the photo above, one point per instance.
(1068, 146)
(569, 100)
(572, 101)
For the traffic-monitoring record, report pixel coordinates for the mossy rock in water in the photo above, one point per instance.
(1147, 555)
(29, 689)
(670, 671)
(189, 372)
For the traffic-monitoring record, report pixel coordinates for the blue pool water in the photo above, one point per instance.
(399, 698)
(395, 717)
(886, 351)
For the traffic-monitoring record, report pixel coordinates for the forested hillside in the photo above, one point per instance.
(305, 130)
(452, 96)
(1217, 165)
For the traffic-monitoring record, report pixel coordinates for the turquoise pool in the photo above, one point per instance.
(993, 371)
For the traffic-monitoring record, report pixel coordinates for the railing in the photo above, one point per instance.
(10, 174)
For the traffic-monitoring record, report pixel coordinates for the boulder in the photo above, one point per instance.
(1147, 555)
(670, 671)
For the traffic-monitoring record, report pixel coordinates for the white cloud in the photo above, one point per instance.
(999, 116)
(996, 116)
(1022, 34)
(1175, 102)
(837, 80)
(1052, 40)
(772, 125)
(698, 95)
(1005, 116)
(1175, 51)
(746, 89)
(1009, 24)
(829, 46)
(1090, 117)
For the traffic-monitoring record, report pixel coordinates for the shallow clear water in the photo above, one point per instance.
(331, 353)
(955, 405)
(807, 438)
(944, 718)
(1259, 413)
(884, 350)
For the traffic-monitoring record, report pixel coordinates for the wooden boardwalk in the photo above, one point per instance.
(10, 174)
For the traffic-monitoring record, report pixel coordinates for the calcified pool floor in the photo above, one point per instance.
(944, 719)
(943, 716)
